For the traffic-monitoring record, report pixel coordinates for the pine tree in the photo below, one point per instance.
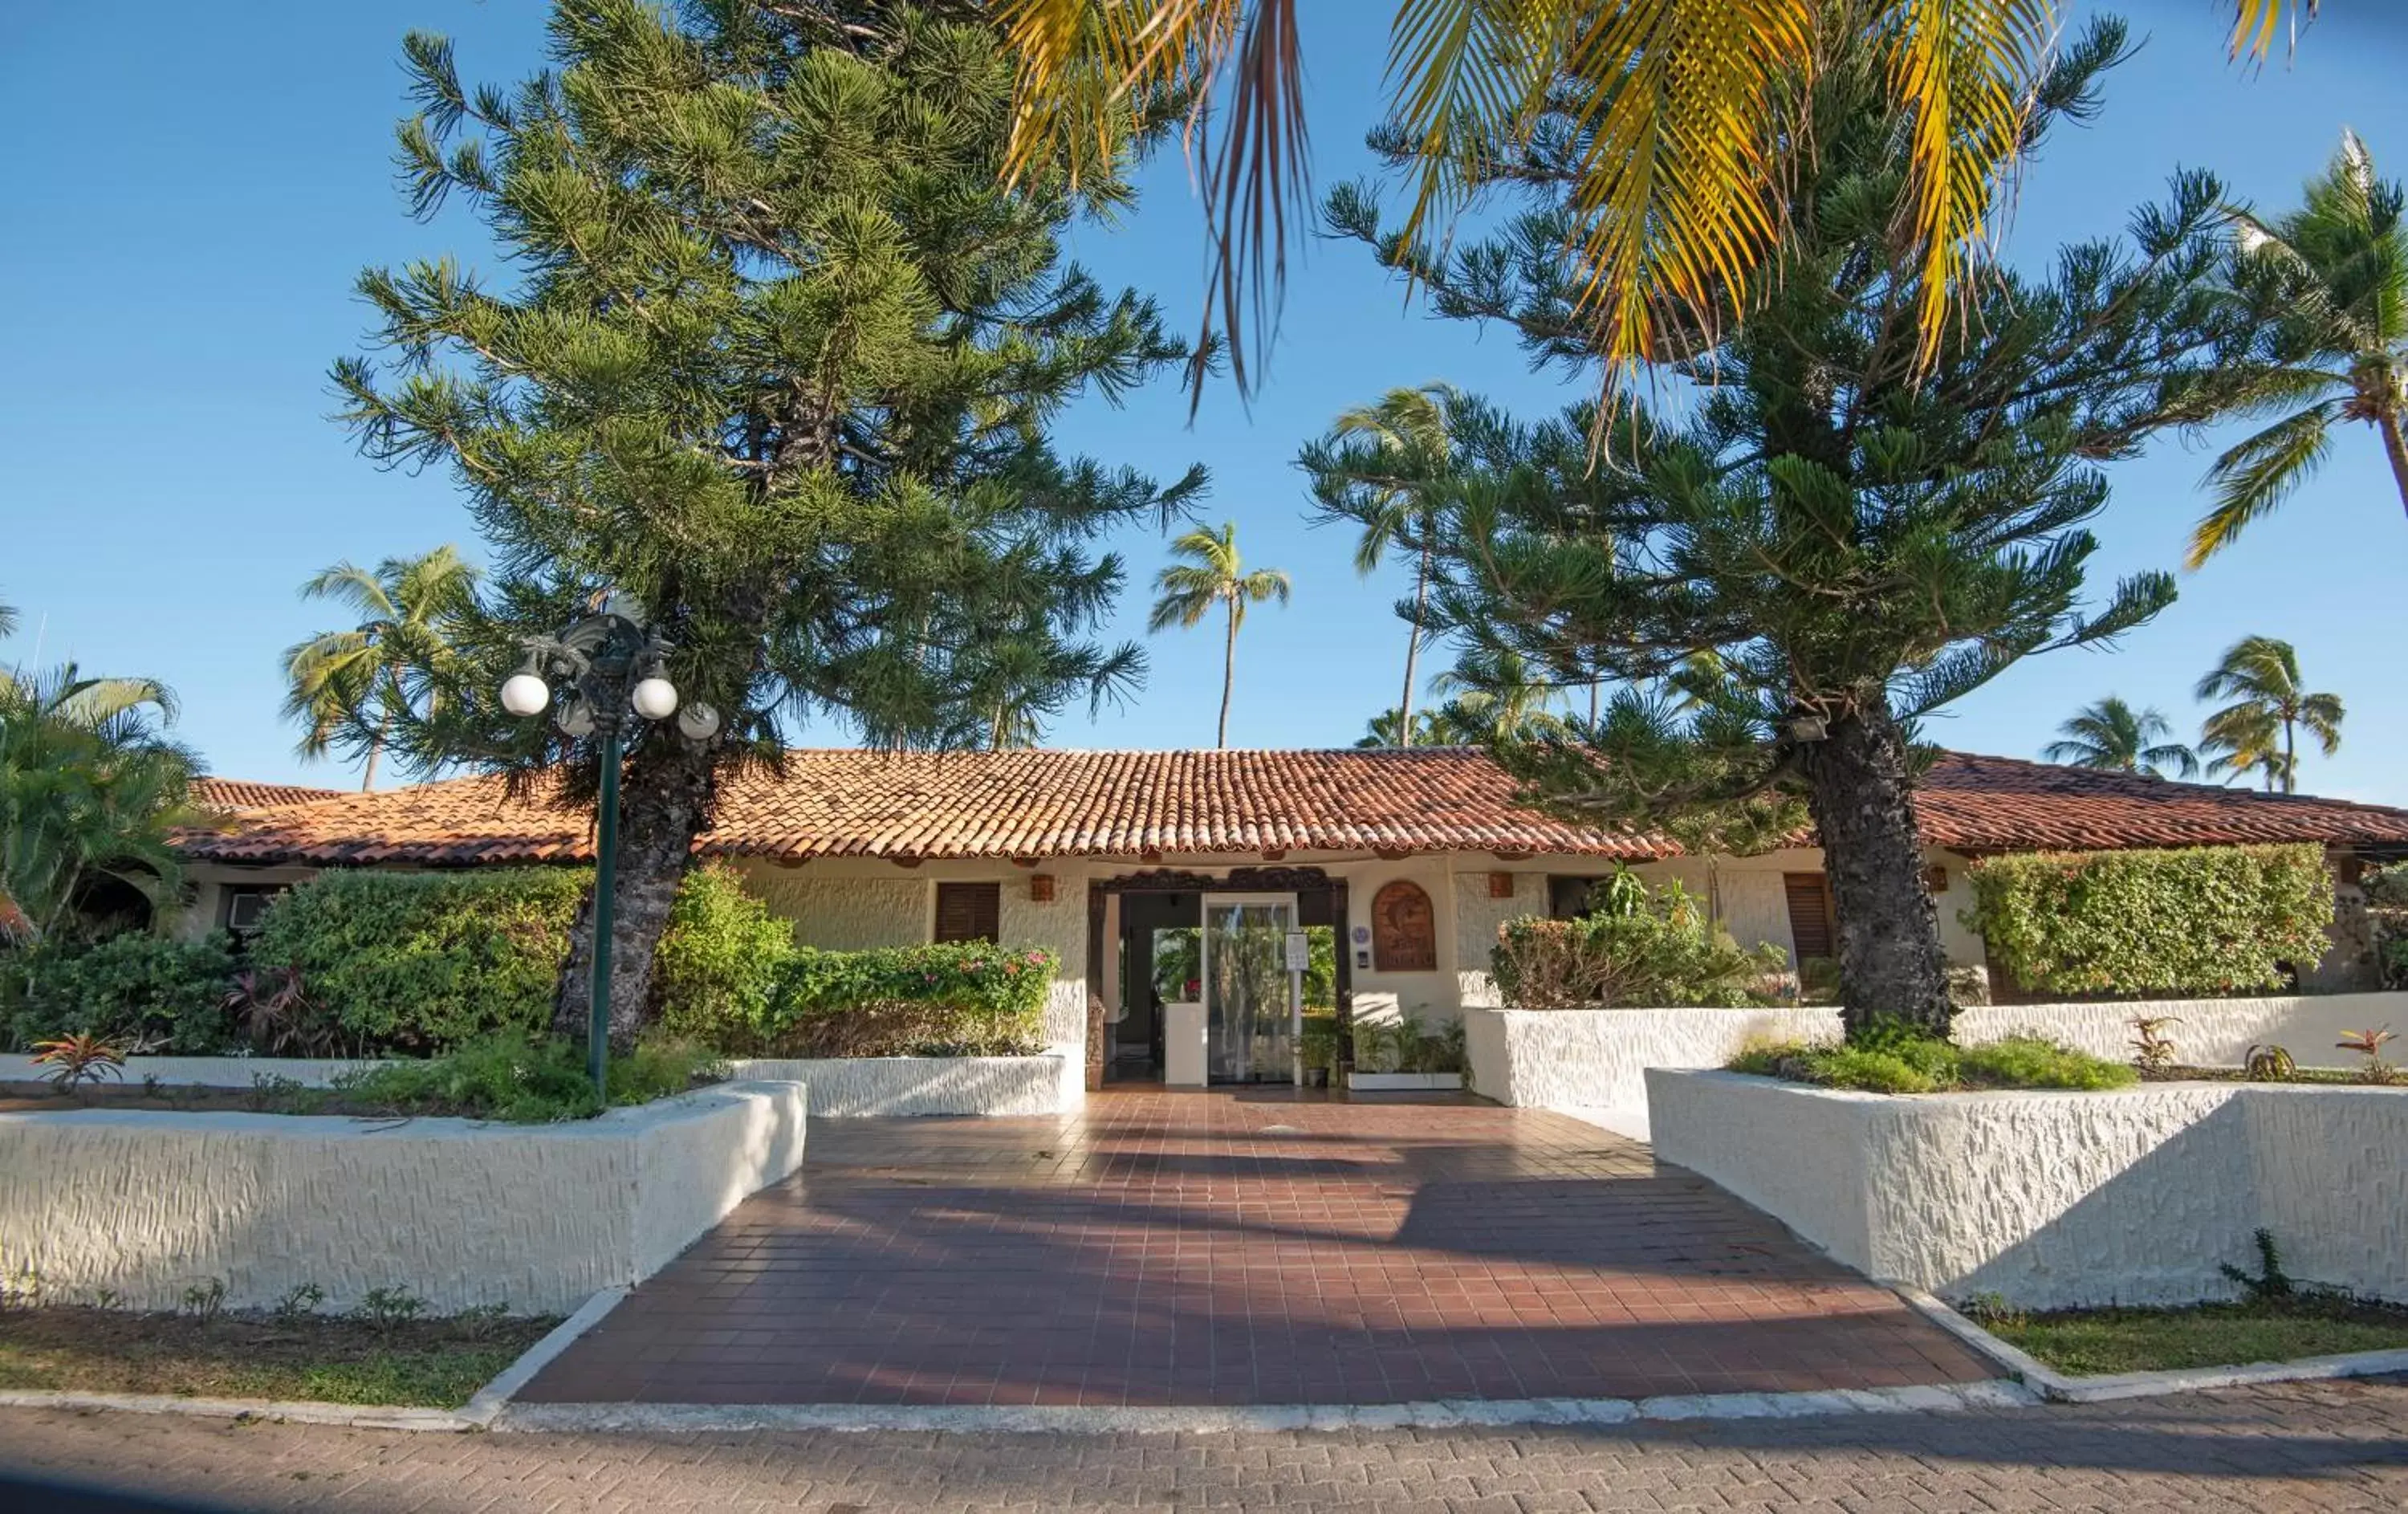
(1796, 546)
(776, 356)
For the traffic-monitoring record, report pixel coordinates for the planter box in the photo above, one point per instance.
(1593, 1062)
(1402, 1081)
(459, 1212)
(851, 1086)
(2062, 1199)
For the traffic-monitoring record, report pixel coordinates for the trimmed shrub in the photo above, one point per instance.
(2202, 919)
(507, 1076)
(955, 1000)
(425, 962)
(1903, 1063)
(720, 961)
(1658, 950)
(166, 995)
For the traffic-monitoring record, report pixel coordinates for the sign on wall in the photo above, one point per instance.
(1404, 929)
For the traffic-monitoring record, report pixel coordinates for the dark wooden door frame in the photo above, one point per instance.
(1299, 881)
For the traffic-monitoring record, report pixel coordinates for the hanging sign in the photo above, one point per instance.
(1300, 952)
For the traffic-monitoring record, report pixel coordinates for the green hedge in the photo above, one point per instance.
(424, 962)
(145, 990)
(1651, 949)
(973, 1000)
(2202, 919)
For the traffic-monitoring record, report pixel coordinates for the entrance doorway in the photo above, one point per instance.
(1211, 953)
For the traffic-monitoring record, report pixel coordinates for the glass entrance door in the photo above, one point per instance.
(1249, 991)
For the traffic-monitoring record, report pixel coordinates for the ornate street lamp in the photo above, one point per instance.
(607, 671)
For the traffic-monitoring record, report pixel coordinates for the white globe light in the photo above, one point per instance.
(654, 699)
(524, 694)
(698, 721)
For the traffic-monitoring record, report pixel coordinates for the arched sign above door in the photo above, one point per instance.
(1404, 929)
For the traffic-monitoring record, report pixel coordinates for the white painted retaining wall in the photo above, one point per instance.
(2062, 1199)
(459, 1212)
(1046, 1084)
(201, 1072)
(864, 1086)
(1592, 1063)
(1589, 1063)
(2213, 1033)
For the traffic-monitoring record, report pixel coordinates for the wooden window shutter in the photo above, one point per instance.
(1812, 930)
(970, 912)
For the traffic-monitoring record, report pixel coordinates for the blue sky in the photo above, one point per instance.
(188, 204)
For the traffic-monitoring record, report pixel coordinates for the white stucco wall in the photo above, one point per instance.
(459, 1212)
(2212, 1032)
(2061, 1200)
(1476, 919)
(1593, 1062)
(201, 1072)
(843, 1087)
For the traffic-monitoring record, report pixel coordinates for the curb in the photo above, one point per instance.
(1084, 1419)
(2058, 1388)
(490, 1400)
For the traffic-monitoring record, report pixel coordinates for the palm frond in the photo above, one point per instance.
(2256, 475)
(2256, 23)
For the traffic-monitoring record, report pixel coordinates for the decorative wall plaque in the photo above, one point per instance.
(1404, 929)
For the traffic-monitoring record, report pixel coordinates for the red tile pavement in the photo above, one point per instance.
(1243, 1247)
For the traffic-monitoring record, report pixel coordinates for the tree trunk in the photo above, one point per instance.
(664, 801)
(1228, 675)
(1412, 652)
(2395, 447)
(1891, 966)
(2290, 757)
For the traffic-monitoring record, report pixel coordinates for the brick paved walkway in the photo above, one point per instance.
(2304, 1447)
(1243, 1248)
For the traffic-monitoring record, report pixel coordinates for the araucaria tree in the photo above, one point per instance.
(776, 355)
(1799, 544)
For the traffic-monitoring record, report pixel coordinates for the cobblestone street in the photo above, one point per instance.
(2315, 1446)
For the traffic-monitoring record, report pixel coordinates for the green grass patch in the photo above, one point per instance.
(2094, 1342)
(1894, 1063)
(433, 1363)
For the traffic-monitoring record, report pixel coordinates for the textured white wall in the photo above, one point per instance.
(2056, 1200)
(1594, 1061)
(845, 914)
(1476, 919)
(2213, 1033)
(859, 1086)
(459, 1212)
(201, 1072)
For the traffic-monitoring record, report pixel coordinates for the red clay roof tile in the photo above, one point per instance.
(232, 796)
(1062, 803)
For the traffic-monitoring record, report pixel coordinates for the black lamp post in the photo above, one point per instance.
(608, 670)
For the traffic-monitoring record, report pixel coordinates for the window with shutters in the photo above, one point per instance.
(970, 912)
(1812, 930)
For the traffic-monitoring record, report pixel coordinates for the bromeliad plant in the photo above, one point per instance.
(275, 1014)
(2369, 1044)
(75, 1060)
(2153, 1050)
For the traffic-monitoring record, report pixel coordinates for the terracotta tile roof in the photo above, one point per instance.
(232, 796)
(1041, 804)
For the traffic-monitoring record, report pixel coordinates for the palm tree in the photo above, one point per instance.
(2114, 737)
(1387, 730)
(1213, 574)
(88, 786)
(1683, 106)
(1407, 439)
(1495, 696)
(2331, 281)
(344, 684)
(2259, 730)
